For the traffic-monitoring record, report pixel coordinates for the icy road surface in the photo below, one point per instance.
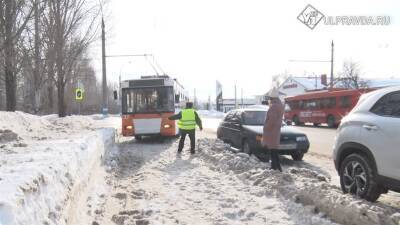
(151, 184)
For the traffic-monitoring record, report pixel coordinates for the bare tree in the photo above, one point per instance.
(350, 77)
(38, 79)
(14, 16)
(67, 19)
(42, 46)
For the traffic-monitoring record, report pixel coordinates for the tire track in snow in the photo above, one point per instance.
(151, 184)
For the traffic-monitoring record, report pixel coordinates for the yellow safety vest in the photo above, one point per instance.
(188, 120)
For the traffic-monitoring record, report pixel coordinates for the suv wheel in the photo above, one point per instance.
(297, 156)
(246, 147)
(357, 177)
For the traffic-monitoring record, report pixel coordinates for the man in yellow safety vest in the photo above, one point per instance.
(188, 119)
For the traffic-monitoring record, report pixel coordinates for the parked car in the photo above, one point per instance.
(243, 128)
(367, 146)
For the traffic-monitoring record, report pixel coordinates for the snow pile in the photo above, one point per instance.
(45, 163)
(300, 185)
(73, 123)
(152, 184)
(30, 127)
(26, 126)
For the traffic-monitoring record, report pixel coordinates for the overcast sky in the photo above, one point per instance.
(244, 42)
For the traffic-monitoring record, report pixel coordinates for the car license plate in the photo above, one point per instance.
(287, 146)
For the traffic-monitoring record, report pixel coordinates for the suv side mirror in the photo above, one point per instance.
(115, 95)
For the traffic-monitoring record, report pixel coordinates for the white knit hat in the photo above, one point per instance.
(273, 93)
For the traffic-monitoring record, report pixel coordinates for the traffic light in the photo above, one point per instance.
(78, 94)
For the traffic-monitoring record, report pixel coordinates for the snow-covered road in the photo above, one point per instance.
(87, 179)
(151, 184)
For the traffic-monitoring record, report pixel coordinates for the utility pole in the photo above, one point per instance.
(236, 105)
(103, 56)
(332, 46)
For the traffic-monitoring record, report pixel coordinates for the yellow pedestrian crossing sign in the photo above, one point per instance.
(78, 94)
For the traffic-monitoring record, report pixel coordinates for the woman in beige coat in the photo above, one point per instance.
(272, 128)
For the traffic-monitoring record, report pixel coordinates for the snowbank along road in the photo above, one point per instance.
(89, 179)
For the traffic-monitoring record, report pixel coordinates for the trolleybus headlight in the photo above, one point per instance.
(167, 126)
(129, 127)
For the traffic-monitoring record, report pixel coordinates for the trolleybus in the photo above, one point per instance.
(147, 103)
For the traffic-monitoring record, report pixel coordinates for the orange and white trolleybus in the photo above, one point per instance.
(147, 103)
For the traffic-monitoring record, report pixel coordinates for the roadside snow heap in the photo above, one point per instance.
(45, 162)
(302, 186)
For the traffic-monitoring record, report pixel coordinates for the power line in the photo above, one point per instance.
(151, 64)
(154, 64)
(159, 67)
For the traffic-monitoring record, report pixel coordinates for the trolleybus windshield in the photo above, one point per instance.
(147, 100)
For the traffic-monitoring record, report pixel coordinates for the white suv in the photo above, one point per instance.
(367, 145)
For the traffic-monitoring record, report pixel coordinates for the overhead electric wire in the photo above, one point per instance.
(151, 64)
(159, 67)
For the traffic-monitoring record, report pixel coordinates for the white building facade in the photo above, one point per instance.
(293, 86)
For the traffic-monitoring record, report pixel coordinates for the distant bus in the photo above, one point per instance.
(328, 106)
(147, 103)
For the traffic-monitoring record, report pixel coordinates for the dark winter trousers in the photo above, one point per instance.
(192, 137)
(275, 163)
